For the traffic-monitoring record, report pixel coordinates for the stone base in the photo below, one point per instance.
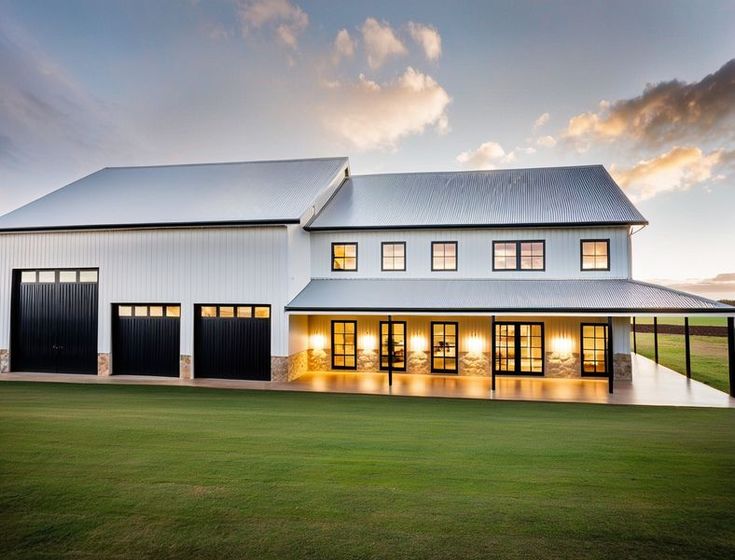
(185, 369)
(367, 360)
(279, 368)
(418, 362)
(562, 365)
(623, 367)
(103, 365)
(298, 364)
(319, 360)
(474, 364)
(4, 360)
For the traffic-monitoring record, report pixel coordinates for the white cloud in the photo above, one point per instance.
(370, 115)
(380, 42)
(546, 141)
(344, 46)
(287, 19)
(487, 156)
(679, 169)
(426, 36)
(542, 120)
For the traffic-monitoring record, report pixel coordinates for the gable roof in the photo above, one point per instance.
(255, 192)
(583, 195)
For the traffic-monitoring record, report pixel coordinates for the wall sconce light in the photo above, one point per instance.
(418, 343)
(368, 342)
(562, 345)
(317, 342)
(474, 345)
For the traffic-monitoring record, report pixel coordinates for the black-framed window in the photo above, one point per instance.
(519, 255)
(594, 254)
(443, 255)
(344, 344)
(344, 257)
(399, 345)
(393, 256)
(444, 340)
(593, 338)
(519, 348)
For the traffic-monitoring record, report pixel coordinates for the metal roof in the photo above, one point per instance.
(214, 193)
(505, 197)
(497, 296)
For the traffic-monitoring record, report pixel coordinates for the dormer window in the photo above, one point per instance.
(595, 254)
(344, 257)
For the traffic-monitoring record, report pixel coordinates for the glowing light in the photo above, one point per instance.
(418, 343)
(368, 342)
(561, 345)
(317, 342)
(474, 345)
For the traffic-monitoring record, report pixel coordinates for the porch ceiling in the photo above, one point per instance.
(500, 297)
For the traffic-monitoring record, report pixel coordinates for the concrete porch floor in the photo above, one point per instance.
(651, 385)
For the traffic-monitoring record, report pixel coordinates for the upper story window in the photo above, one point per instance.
(519, 255)
(393, 255)
(443, 255)
(344, 257)
(595, 254)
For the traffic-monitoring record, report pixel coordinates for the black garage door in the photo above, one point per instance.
(145, 339)
(232, 341)
(54, 321)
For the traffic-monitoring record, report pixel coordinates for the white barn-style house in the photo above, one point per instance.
(267, 270)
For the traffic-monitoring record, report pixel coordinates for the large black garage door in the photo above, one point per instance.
(232, 341)
(145, 339)
(54, 321)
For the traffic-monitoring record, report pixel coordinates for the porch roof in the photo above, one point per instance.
(500, 296)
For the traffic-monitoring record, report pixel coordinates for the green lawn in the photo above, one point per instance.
(693, 321)
(709, 356)
(150, 472)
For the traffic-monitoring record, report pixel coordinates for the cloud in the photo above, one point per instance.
(344, 46)
(679, 169)
(546, 141)
(380, 42)
(287, 20)
(370, 115)
(428, 38)
(666, 112)
(487, 156)
(541, 121)
(721, 286)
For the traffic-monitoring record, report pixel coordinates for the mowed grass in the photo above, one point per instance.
(693, 321)
(151, 472)
(708, 356)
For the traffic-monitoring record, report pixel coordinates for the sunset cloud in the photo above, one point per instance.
(546, 141)
(344, 46)
(542, 120)
(287, 20)
(428, 38)
(721, 286)
(489, 155)
(370, 115)
(380, 42)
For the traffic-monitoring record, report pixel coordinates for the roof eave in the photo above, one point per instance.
(152, 225)
(478, 226)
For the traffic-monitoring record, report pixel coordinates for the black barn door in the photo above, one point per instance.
(145, 339)
(54, 321)
(232, 342)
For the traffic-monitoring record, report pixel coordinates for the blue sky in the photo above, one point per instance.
(397, 86)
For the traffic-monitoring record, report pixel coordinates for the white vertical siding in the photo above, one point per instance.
(186, 266)
(474, 252)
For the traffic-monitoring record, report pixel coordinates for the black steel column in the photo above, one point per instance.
(635, 342)
(390, 351)
(492, 351)
(687, 349)
(655, 339)
(610, 367)
(731, 352)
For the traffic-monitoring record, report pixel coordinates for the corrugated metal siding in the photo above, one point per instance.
(186, 266)
(475, 252)
(206, 193)
(496, 296)
(554, 195)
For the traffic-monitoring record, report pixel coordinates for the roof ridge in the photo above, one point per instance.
(294, 160)
(488, 171)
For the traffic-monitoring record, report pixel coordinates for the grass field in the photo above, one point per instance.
(151, 472)
(693, 321)
(709, 356)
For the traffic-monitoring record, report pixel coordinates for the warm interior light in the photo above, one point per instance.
(368, 342)
(561, 345)
(474, 345)
(317, 342)
(418, 343)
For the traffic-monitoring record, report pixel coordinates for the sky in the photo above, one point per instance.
(645, 88)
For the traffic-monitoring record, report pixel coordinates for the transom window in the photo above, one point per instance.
(519, 255)
(58, 276)
(344, 256)
(595, 254)
(443, 255)
(153, 311)
(519, 348)
(444, 347)
(399, 345)
(393, 255)
(594, 349)
(344, 347)
(235, 311)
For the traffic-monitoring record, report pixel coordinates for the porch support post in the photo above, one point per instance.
(655, 339)
(610, 366)
(635, 342)
(687, 348)
(390, 351)
(731, 352)
(492, 351)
